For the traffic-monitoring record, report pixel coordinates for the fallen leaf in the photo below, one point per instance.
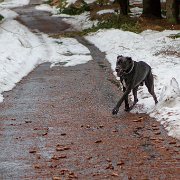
(120, 163)
(63, 171)
(37, 166)
(110, 166)
(55, 158)
(153, 138)
(154, 125)
(108, 160)
(98, 141)
(38, 156)
(115, 130)
(56, 178)
(28, 121)
(155, 128)
(63, 134)
(88, 158)
(59, 157)
(32, 151)
(115, 174)
(137, 120)
(172, 142)
(157, 133)
(53, 166)
(62, 148)
(62, 156)
(72, 175)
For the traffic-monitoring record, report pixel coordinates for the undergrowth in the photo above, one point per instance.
(117, 22)
(174, 36)
(73, 10)
(47, 2)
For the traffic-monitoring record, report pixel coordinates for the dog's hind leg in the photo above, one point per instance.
(135, 95)
(149, 82)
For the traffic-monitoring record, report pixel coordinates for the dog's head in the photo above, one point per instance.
(123, 64)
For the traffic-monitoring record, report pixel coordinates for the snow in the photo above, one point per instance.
(14, 3)
(134, 2)
(48, 8)
(7, 13)
(79, 22)
(136, 11)
(73, 1)
(149, 46)
(105, 11)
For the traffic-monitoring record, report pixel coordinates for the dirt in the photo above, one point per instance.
(57, 124)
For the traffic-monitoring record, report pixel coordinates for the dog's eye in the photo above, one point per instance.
(119, 62)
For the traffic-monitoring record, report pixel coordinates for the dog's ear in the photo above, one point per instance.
(129, 58)
(119, 56)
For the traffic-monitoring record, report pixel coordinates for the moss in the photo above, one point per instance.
(172, 20)
(117, 22)
(48, 2)
(174, 36)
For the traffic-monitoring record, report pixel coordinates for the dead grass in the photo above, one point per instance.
(157, 24)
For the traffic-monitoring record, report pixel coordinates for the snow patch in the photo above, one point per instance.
(105, 11)
(7, 13)
(79, 22)
(14, 3)
(48, 8)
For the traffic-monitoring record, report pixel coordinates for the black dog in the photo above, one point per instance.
(132, 74)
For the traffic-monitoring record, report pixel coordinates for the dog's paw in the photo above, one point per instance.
(127, 109)
(115, 111)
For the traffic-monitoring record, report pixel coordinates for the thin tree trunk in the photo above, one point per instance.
(124, 7)
(152, 8)
(172, 8)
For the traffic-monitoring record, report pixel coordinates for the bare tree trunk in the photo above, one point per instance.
(172, 8)
(124, 5)
(152, 8)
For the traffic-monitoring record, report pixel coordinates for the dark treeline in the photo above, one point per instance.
(152, 8)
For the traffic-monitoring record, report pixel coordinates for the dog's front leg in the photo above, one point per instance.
(125, 95)
(126, 100)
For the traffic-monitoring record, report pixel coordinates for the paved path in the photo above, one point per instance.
(41, 20)
(57, 124)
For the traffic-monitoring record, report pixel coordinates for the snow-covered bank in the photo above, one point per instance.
(162, 54)
(79, 22)
(48, 8)
(21, 51)
(7, 13)
(14, 3)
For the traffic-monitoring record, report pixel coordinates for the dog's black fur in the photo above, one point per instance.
(132, 74)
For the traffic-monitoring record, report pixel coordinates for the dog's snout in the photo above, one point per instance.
(117, 69)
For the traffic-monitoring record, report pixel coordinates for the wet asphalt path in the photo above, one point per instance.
(41, 20)
(57, 124)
